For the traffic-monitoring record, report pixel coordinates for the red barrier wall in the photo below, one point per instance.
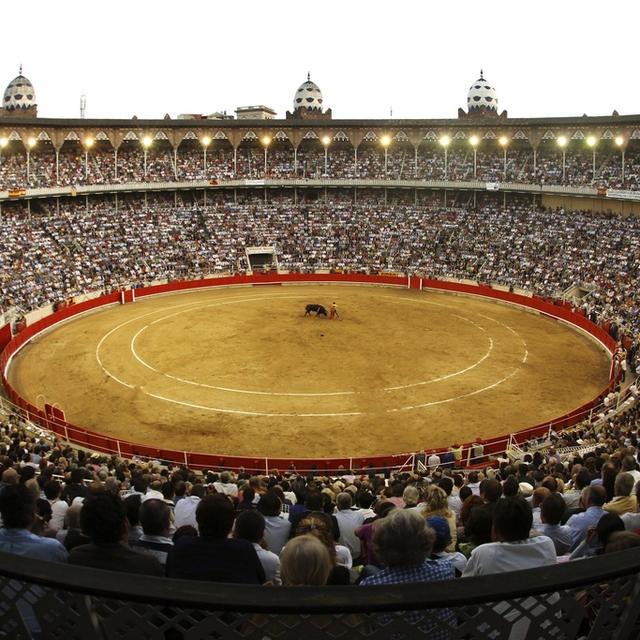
(5, 336)
(106, 444)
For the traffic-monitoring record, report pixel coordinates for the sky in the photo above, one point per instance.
(408, 58)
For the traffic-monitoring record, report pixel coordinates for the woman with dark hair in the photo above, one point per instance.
(131, 506)
(41, 525)
(365, 533)
(609, 473)
(477, 529)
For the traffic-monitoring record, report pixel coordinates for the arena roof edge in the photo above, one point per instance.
(292, 124)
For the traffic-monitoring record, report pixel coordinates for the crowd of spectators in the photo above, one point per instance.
(64, 505)
(160, 163)
(49, 257)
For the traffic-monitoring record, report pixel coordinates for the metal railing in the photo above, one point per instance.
(181, 185)
(407, 461)
(595, 599)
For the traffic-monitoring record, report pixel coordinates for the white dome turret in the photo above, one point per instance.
(482, 96)
(19, 96)
(308, 96)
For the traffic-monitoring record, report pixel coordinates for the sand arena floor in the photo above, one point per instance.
(241, 371)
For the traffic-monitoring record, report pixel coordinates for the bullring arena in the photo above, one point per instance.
(242, 371)
(156, 357)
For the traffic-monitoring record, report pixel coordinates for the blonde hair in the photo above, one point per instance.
(436, 500)
(318, 527)
(305, 561)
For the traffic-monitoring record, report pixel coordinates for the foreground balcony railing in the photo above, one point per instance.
(595, 599)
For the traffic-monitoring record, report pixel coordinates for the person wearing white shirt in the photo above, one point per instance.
(473, 483)
(250, 525)
(537, 498)
(225, 485)
(513, 549)
(629, 466)
(348, 521)
(631, 521)
(364, 500)
(185, 511)
(433, 461)
(455, 504)
(277, 525)
(52, 491)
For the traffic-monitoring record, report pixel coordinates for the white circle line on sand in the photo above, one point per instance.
(294, 394)
(514, 332)
(454, 373)
(256, 298)
(132, 347)
(250, 413)
(458, 397)
(448, 375)
(144, 315)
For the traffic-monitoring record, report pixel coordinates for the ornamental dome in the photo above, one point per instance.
(19, 94)
(309, 96)
(482, 96)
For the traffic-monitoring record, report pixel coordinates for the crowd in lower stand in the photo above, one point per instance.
(352, 527)
(74, 167)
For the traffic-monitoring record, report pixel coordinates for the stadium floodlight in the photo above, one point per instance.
(31, 142)
(591, 142)
(474, 141)
(619, 140)
(385, 141)
(445, 141)
(562, 143)
(206, 141)
(504, 141)
(266, 141)
(326, 141)
(146, 143)
(88, 143)
(3, 143)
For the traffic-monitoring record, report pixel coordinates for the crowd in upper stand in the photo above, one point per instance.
(48, 258)
(98, 166)
(353, 527)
